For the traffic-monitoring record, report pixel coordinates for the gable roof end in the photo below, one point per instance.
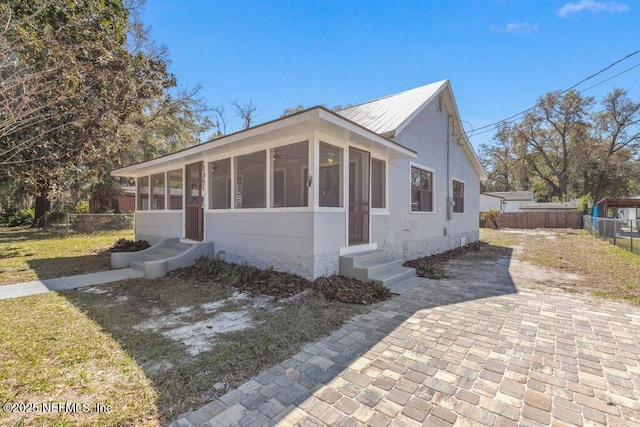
(385, 115)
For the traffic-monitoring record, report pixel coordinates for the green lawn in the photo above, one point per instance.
(52, 352)
(29, 254)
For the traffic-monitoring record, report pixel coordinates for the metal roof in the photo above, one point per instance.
(513, 195)
(385, 115)
(549, 205)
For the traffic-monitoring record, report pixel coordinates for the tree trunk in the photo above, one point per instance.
(43, 204)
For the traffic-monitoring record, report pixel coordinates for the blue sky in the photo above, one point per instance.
(500, 55)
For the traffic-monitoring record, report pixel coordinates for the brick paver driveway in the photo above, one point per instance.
(468, 350)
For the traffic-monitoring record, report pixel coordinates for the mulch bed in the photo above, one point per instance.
(333, 288)
(431, 266)
(352, 291)
(284, 285)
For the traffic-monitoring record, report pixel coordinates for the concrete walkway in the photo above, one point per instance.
(66, 283)
(469, 351)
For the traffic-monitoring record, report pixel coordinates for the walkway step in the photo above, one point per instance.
(163, 257)
(377, 266)
(396, 275)
(170, 252)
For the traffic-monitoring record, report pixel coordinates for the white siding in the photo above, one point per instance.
(278, 239)
(157, 226)
(488, 202)
(412, 234)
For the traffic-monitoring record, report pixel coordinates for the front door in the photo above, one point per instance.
(359, 162)
(194, 215)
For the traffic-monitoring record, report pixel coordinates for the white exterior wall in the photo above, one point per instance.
(513, 205)
(330, 234)
(488, 202)
(407, 234)
(304, 242)
(307, 241)
(283, 240)
(154, 226)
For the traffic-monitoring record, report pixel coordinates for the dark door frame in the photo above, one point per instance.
(193, 203)
(359, 187)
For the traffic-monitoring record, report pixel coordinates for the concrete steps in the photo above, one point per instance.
(158, 260)
(377, 266)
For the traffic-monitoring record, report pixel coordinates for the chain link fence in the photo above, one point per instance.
(624, 233)
(89, 223)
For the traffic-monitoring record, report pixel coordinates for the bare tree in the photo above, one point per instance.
(245, 112)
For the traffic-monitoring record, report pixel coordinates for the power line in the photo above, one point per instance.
(492, 126)
(473, 133)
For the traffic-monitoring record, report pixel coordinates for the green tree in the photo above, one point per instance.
(85, 90)
(566, 148)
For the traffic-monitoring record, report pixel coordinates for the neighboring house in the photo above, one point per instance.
(548, 206)
(397, 173)
(630, 213)
(489, 201)
(126, 202)
(513, 199)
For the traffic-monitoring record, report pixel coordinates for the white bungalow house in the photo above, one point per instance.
(396, 174)
(511, 200)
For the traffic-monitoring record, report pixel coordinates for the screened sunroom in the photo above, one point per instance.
(292, 193)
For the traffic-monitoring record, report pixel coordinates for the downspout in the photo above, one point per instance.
(449, 129)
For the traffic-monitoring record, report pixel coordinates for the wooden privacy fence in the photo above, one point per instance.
(565, 219)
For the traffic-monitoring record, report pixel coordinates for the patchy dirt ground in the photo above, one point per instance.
(195, 339)
(568, 260)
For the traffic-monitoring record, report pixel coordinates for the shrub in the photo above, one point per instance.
(211, 266)
(492, 215)
(82, 207)
(126, 245)
(21, 217)
(237, 274)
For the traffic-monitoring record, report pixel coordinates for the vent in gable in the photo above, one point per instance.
(439, 103)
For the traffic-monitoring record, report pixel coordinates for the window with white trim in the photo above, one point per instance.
(220, 184)
(251, 175)
(289, 175)
(157, 191)
(330, 179)
(174, 188)
(421, 190)
(143, 193)
(378, 183)
(458, 197)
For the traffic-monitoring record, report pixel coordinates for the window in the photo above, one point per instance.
(174, 182)
(458, 197)
(220, 184)
(421, 190)
(378, 183)
(251, 174)
(143, 193)
(330, 179)
(158, 190)
(289, 172)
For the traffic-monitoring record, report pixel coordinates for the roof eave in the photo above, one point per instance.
(297, 118)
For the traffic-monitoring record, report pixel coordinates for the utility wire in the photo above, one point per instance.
(474, 133)
(491, 126)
